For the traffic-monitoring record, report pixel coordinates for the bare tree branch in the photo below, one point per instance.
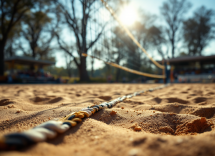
(66, 50)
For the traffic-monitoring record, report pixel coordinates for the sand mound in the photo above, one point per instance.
(196, 126)
(177, 120)
(207, 112)
(173, 100)
(4, 102)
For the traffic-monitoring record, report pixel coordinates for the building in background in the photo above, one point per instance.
(192, 69)
(27, 70)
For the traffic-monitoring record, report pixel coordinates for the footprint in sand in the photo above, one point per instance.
(210, 93)
(199, 99)
(78, 95)
(192, 95)
(55, 100)
(133, 102)
(106, 98)
(157, 100)
(49, 99)
(39, 99)
(4, 102)
(173, 100)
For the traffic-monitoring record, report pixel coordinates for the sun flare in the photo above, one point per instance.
(128, 16)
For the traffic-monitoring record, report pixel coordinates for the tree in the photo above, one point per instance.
(173, 11)
(127, 52)
(68, 65)
(76, 17)
(119, 53)
(157, 39)
(38, 29)
(199, 30)
(11, 46)
(96, 52)
(11, 12)
(35, 33)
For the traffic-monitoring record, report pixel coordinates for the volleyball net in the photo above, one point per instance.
(115, 45)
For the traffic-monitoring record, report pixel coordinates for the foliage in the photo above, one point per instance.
(199, 30)
(173, 12)
(11, 12)
(61, 71)
(77, 22)
(38, 30)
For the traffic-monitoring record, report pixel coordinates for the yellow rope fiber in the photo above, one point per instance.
(130, 35)
(78, 118)
(127, 69)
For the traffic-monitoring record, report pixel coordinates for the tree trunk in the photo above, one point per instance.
(117, 69)
(33, 53)
(173, 45)
(92, 67)
(32, 67)
(83, 74)
(117, 74)
(2, 45)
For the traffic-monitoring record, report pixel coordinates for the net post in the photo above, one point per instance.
(164, 71)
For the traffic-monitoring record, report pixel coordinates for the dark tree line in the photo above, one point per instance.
(31, 26)
(198, 31)
(12, 12)
(173, 12)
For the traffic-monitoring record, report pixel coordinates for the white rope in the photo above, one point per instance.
(46, 130)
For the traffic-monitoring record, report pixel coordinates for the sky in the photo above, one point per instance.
(153, 7)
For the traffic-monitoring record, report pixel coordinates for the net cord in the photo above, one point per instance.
(130, 34)
(127, 69)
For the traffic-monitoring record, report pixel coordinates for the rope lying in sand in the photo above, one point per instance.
(50, 129)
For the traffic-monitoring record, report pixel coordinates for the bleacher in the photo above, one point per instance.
(191, 69)
(28, 75)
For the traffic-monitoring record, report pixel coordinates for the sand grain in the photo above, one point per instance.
(177, 120)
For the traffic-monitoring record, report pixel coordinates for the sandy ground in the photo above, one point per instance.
(177, 120)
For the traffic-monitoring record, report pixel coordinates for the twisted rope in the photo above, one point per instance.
(50, 129)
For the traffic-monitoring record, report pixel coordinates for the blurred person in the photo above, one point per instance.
(172, 74)
(59, 80)
(9, 78)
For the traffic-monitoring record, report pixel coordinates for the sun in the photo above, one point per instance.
(128, 15)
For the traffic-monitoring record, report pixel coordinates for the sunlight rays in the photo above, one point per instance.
(128, 15)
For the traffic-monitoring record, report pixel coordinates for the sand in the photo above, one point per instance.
(177, 120)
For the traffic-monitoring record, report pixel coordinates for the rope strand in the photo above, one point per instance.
(127, 69)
